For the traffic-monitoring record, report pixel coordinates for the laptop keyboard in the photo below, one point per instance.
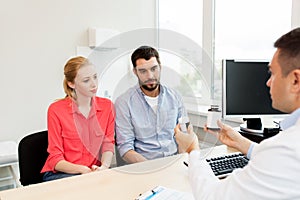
(224, 165)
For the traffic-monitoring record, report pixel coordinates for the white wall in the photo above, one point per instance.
(296, 14)
(36, 39)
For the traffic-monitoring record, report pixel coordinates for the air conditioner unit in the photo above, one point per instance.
(103, 38)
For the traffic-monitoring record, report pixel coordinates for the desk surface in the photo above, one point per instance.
(125, 182)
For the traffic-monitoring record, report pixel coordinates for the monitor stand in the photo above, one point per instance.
(255, 131)
(252, 126)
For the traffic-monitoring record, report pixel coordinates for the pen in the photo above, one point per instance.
(148, 195)
(185, 164)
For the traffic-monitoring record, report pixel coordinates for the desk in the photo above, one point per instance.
(125, 182)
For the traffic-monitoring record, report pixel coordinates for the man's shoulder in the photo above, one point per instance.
(171, 91)
(127, 95)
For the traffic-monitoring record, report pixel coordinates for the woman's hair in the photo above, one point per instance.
(70, 71)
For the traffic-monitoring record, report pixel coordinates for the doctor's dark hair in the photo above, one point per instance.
(70, 71)
(145, 52)
(289, 51)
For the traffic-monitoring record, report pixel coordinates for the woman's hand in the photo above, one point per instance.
(85, 169)
(99, 168)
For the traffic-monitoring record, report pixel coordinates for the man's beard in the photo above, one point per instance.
(151, 88)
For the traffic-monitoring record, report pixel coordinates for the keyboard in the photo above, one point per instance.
(224, 165)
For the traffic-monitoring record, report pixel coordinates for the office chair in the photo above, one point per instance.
(32, 151)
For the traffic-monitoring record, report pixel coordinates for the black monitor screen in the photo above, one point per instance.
(245, 93)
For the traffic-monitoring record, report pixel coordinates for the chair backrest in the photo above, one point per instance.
(32, 151)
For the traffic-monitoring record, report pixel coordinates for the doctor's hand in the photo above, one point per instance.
(186, 141)
(230, 137)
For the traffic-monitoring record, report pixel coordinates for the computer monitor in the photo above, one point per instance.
(245, 93)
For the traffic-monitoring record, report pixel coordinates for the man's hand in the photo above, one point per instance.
(186, 141)
(132, 156)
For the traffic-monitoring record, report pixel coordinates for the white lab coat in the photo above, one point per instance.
(273, 172)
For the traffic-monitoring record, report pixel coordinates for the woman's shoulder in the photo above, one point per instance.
(61, 103)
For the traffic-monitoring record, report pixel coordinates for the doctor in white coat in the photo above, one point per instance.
(273, 171)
